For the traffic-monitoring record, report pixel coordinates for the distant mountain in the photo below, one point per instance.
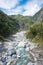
(26, 21)
(7, 25)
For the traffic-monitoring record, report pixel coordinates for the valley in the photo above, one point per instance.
(21, 39)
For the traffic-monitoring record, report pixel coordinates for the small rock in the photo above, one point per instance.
(1, 63)
(30, 63)
(3, 59)
(5, 63)
(14, 56)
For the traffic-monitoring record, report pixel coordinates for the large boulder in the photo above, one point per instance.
(11, 52)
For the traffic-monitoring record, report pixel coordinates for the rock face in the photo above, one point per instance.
(22, 25)
(38, 16)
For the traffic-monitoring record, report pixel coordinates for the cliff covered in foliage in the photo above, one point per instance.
(7, 25)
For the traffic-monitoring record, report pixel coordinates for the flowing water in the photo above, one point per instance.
(15, 50)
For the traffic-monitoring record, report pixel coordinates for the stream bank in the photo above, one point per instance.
(17, 50)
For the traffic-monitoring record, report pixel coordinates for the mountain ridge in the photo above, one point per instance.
(28, 20)
(7, 25)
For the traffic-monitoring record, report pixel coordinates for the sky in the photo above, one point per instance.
(22, 7)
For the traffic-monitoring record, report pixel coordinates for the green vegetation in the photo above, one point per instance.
(24, 20)
(35, 33)
(7, 25)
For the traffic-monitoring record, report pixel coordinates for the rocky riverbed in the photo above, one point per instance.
(18, 50)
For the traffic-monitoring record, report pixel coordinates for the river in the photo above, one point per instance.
(15, 50)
